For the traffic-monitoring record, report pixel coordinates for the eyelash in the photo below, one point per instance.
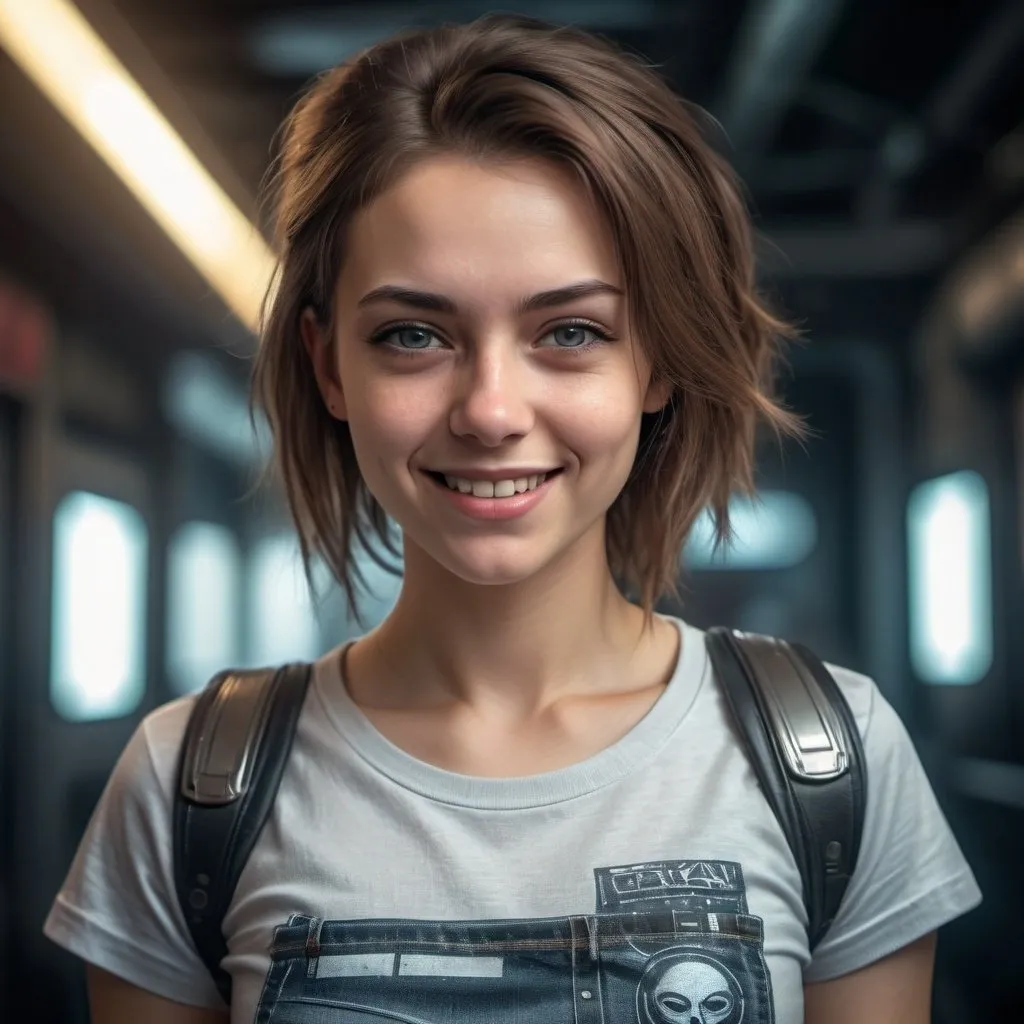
(603, 336)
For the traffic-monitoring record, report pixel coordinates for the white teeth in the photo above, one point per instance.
(494, 488)
(455, 484)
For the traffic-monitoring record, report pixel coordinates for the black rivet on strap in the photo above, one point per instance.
(833, 855)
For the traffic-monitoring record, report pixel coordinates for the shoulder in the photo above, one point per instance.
(139, 793)
(118, 908)
(153, 751)
(887, 744)
(861, 693)
(884, 738)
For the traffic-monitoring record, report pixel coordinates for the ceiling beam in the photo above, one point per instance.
(97, 226)
(897, 250)
(821, 170)
(117, 34)
(995, 52)
(776, 46)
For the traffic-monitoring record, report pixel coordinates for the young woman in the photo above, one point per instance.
(516, 315)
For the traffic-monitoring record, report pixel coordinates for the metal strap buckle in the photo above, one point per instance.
(801, 715)
(220, 755)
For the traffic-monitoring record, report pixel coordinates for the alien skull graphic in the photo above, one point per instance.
(688, 987)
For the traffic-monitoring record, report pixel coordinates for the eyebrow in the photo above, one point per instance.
(443, 304)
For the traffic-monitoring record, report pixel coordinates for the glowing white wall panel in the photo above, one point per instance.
(949, 579)
(775, 530)
(208, 407)
(97, 663)
(204, 591)
(282, 618)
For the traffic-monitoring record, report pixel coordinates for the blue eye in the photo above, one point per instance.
(570, 337)
(412, 337)
(576, 336)
(406, 338)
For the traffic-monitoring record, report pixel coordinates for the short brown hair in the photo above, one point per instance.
(507, 88)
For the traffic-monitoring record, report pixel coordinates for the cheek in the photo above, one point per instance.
(602, 424)
(390, 419)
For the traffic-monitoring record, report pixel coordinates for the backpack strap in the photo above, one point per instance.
(806, 751)
(234, 753)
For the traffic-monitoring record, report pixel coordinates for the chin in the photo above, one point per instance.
(491, 573)
(491, 564)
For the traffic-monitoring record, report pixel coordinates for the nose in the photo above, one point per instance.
(492, 404)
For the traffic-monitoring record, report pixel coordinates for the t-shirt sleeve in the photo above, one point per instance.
(911, 876)
(118, 907)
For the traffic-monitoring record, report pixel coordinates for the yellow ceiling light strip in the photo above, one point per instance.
(60, 52)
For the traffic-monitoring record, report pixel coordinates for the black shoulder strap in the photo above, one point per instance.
(234, 753)
(806, 752)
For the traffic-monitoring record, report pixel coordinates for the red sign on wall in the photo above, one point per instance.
(25, 330)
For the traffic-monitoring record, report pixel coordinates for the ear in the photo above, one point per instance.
(317, 343)
(657, 397)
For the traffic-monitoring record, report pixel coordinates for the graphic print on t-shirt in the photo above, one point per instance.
(712, 976)
(672, 942)
(706, 885)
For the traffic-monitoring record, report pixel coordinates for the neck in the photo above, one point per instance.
(566, 630)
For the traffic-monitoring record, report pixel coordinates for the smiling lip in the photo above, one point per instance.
(504, 473)
(511, 507)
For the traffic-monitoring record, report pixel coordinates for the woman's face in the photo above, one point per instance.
(483, 359)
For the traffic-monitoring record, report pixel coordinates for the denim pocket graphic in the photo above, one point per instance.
(658, 967)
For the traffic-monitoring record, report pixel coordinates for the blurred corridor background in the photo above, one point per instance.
(882, 143)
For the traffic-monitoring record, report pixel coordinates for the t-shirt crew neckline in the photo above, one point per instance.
(628, 754)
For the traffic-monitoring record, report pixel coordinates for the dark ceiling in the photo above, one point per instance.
(877, 137)
(868, 111)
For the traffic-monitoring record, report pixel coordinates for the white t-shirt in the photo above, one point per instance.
(649, 883)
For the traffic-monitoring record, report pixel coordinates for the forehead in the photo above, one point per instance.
(479, 231)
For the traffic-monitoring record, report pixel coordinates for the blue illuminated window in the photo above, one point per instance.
(949, 579)
(210, 408)
(775, 530)
(282, 618)
(377, 596)
(203, 567)
(97, 663)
